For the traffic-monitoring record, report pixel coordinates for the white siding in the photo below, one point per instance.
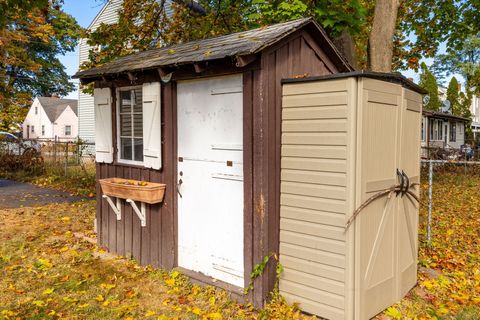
(67, 118)
(86, 116)
(108, 15)
(37, 120)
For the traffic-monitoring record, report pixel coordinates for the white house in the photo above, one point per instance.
(442, 129)
(51, 117)
(475, 111)
(108, 15)
(86, 117)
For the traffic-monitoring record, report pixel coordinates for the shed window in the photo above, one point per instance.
(130, 124)
(453, 132)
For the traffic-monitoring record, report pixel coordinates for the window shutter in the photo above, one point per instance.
(103, 125)
(152, 133)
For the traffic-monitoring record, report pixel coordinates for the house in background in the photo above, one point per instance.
(442, 129)
(108, 15)
(86, 117)
(51, 117)
(475, 111)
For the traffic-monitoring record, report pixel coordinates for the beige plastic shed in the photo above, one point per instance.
(343, 139)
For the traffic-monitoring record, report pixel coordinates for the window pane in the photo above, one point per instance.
(126, 148)
(125, 101)
(126, 125)
(138, 100)
(138, 125)
(138, 149)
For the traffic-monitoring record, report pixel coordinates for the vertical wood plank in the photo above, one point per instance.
(104, 209)
(248, 176)
(128, 218)
(112, 217)
(146, 231)
(98, 213)
(137, 228)
(120, 224)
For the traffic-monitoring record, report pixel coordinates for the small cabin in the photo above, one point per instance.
(194, 154)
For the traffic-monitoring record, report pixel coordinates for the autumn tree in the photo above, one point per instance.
(453, 95)
(429, 83)
(32, 34)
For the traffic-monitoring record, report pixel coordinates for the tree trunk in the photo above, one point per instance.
(380, 43)
(344, 43)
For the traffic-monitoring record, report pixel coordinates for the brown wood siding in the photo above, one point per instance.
(154, 244)
(298, 55)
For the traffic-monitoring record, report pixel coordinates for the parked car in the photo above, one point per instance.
(11, 144)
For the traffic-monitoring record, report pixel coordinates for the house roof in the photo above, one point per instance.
(443, 115)
(231, 45)
(55, 106)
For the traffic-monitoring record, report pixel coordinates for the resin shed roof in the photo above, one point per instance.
(232, 45)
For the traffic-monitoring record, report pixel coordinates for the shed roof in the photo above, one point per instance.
(55, 106)
(231, 45)
(389, 77)
(443, 115)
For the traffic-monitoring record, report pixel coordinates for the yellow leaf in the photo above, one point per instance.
(170, 282)
(150, 313)
(100, 298)
(66, 219)
(48, 291)
(38, 303)
(52, 313)
(214, 316)
(175, 274)
(83, 306)
(197, 311)
(64, 249)
(107, 286)
(69, 299)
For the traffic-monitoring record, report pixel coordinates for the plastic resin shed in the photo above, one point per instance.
(343, 139)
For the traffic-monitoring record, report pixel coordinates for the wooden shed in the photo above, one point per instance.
(204, 119)
(346, 138)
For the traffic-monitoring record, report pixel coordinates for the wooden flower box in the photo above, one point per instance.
(148, 192)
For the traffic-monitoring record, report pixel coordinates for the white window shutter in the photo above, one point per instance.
(152, 123)
(103, 125)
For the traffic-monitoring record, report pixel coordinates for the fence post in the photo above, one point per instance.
(66, 158)
(429, 218)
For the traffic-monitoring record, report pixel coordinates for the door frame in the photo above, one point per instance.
(248, 244)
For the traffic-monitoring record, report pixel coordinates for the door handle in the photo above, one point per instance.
(178, 187)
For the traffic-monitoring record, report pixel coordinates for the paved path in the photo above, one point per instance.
(16, 194)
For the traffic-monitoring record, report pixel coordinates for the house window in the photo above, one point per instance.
(33, 129)
(453, 132)
(423, 129)
(43, 130)
(130, 124)
(36, 110)
(68, 130)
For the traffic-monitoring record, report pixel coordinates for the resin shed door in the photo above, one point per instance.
(343, 140)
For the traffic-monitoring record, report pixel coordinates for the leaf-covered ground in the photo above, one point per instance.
(449, 276)
(49, 270)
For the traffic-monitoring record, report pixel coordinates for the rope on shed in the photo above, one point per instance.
(400, 189)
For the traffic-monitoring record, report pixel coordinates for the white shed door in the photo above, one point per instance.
(210, 177)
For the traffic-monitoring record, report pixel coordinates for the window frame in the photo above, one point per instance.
(43, 130)
(32, 129)
(117, 121)
(65, 130)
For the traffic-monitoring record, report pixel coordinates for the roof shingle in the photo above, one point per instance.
(55, 106)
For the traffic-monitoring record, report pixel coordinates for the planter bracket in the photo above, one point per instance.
(140, 212)
(117, 209)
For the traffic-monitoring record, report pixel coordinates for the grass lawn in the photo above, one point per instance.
(48, 269)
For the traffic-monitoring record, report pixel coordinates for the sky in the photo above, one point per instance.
(86, 10)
